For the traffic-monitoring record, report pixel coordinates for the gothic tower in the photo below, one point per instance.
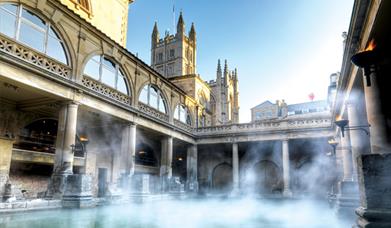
(175, 54)
(226, 93)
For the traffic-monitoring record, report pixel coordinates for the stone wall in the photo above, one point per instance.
(32, 184)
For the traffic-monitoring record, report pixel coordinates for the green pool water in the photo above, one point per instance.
(185, 213)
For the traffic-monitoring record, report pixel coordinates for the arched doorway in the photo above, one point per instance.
(267, 177)
(40, 135)
(145, 155)
(222, 178)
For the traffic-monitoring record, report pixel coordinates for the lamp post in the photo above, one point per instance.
(333, 143)
(343, 125)
(84, 141)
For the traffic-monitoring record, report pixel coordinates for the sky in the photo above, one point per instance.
(282, 49)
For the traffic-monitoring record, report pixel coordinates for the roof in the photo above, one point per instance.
(263, 104)
(307, 105)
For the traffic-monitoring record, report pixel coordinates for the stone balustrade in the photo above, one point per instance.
(105, 90)
(305, 122)
(152, 112)
(26, 54)
(183, 126)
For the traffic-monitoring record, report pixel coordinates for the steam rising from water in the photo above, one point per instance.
(247, 212)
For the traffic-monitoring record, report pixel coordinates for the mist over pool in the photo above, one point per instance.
(246, 212)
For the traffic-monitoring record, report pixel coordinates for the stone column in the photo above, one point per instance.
(378, 135)
(358, 138)
(192, 181)
(285, 167)
(166, 158)
(5, 163)
(128, 147)
(235, 167)
(66, 135)
(166, 162)
(347, 157)
(347, 197)
(128, 151)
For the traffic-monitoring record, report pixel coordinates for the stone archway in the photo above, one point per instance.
(267, 177)
(222, 178)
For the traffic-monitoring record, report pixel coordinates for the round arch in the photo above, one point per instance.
(54, 33)
(222, 178)
(120, 72)
(161, 92)
(267, 177)
(177, 114)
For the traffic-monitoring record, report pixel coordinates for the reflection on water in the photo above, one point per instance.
(185, 213)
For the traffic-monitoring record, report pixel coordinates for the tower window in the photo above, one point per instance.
(160, 57)
(172, 53)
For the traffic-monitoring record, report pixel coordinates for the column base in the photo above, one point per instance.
(192, 186)
(380, 218)
(287, 193)
(56, 186)
(235, 192)
(78, 192)
(5, 188)
(347, 200)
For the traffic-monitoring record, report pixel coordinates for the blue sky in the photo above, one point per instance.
(283, 49)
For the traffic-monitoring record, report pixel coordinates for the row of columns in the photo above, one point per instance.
(67, 125)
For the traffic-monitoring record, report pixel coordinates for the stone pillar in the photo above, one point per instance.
(131, 148)
(128, 151)
(166, 162)
(235, 167)
(358, 138)
(166, 157)
(286, 167)
(5, 163)
(347, 197)
(374, 179)
(192, 181)
(378, 135)
(66, 136)
(347, 157)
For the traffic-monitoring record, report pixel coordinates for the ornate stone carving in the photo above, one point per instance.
(11, 47)
(283, 124)
(183, 126)
(152, 112)
(105, 90)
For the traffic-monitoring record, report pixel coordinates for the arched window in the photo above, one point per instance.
(85, 4)
(151, 96)
(23, 25)
(201, 121)
(203, 101)
(104, 70)
(182, 114)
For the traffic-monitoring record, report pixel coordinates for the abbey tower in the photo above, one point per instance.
(174, 57)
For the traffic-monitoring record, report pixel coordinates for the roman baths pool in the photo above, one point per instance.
(245, 212)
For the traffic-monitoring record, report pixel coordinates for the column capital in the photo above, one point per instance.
(71, 102)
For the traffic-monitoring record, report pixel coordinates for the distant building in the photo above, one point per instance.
(268, 110)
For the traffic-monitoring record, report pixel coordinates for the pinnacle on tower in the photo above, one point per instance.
(192, 33)
(225, 67)
(218, 66)
(180, 28)
(155, 35)
(155, 29)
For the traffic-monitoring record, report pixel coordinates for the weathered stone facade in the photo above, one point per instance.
(160, 134)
